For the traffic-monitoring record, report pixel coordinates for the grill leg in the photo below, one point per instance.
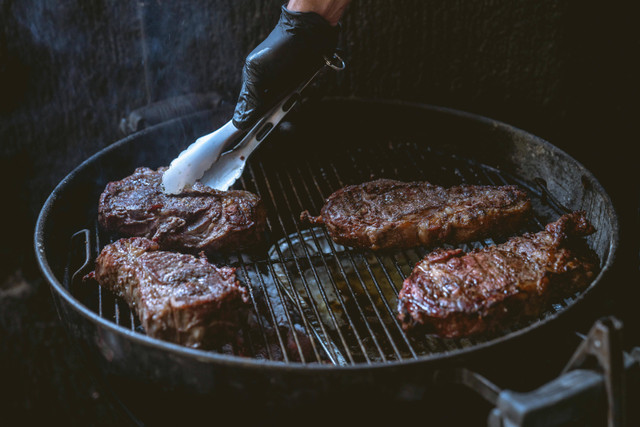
(571, 395)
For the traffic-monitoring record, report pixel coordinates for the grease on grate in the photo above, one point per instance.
(353, 293)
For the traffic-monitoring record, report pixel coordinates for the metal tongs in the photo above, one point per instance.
(204, 159)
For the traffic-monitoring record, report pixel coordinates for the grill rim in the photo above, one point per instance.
(293, 366)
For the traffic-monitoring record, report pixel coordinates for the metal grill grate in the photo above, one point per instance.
(316, 301)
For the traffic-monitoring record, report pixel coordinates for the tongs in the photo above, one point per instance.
(206, 160)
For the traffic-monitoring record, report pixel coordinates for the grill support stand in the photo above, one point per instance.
(577, 389)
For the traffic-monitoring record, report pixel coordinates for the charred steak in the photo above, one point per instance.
(198, 219)
(453, 294)
(178, 297)
(386, 214)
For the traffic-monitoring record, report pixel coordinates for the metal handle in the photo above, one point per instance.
(271, 120)
(229, 167)
(571, 394)
(556, 403)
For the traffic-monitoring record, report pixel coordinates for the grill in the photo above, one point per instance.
(315, 301)
(324, 330)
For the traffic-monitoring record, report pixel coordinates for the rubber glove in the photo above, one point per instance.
(293, 51)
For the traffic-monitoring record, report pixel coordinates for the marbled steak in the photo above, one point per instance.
(453, 294)
(179, 298)
(387, 214)
(198, 219)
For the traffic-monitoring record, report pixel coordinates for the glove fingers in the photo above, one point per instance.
(288, 56)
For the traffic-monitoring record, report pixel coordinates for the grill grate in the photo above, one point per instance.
(316, 301)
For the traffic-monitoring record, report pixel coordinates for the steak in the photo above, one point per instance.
(199, 219)
(453, 294)
(178, 297)
(385, 214)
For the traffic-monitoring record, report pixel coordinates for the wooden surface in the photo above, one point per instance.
(69, 71)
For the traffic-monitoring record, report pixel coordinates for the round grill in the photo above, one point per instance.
(314, 301)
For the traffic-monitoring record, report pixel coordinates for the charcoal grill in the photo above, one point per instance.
(325, 315)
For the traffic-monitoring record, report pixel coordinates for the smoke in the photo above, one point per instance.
(191, 48)
(55, 25)
(179, 47)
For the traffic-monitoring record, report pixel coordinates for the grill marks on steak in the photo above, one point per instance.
(178, 297)
(385, 214)
(453, 294)
(198, 219)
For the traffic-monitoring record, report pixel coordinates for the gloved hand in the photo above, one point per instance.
(288, 56)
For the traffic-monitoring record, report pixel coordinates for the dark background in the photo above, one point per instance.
(70, 71)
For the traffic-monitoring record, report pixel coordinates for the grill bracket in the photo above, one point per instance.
(577, 392)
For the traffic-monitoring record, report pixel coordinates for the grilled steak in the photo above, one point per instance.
(178, 297)
(198, 219)
(392, 214)
(453, 294)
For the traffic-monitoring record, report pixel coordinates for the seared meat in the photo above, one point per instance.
(198, 219)
(178, 297)
(392, 214)
(453, 294)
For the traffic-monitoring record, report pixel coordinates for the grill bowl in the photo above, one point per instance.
(329, 144)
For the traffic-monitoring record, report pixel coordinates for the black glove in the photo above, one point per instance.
(288, 56)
